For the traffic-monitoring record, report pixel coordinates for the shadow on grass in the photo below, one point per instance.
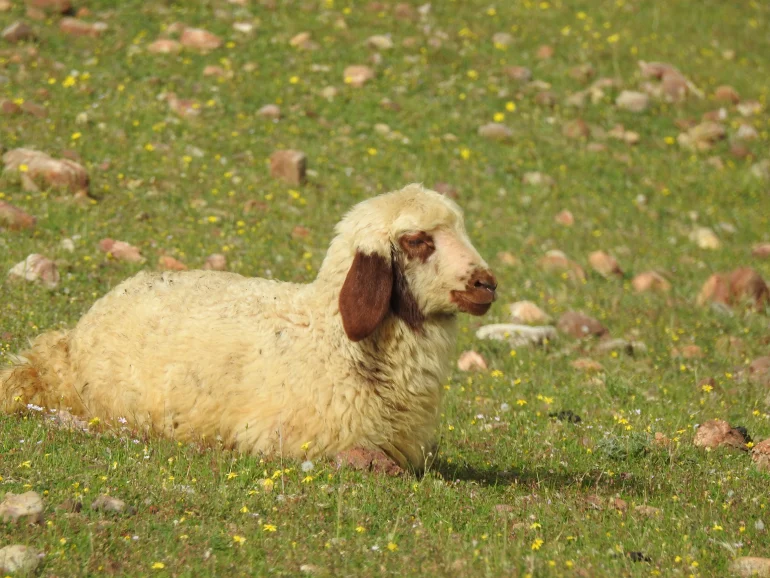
(587, 480)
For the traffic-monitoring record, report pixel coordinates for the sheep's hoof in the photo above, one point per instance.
(368, 461)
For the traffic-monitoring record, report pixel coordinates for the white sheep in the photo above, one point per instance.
(355, 359)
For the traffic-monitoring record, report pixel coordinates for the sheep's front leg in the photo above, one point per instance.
(372, 461)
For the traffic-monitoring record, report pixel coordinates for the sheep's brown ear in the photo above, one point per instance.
(365, 295)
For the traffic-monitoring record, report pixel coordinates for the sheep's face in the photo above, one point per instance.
(413, 259)
(443, 272)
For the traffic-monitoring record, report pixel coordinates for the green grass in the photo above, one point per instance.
(186, 198)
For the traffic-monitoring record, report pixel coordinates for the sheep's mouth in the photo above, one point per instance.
(476, 301)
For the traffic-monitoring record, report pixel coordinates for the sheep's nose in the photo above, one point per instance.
(484, 279)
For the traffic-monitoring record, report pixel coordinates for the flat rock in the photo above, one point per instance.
(632, 101)
(14, 218)
(579, 325)
(18, 559)
(528, 313)
(77, 27)
(750, 567)
(495, 131)
(650, 281)
(36, 267)
(18, 32)
(718, 433)
(105, 503)
(518, 335)
(27, 507)
(215, 262)
(358, 75)
(605, 264)
(199, 39)
(289, 166)
(51, 172)
(164, 46)
(471, 361)
(121, 250)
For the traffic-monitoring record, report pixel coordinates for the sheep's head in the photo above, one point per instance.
(411, 257)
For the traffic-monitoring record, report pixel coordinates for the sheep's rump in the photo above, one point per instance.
(183, 353)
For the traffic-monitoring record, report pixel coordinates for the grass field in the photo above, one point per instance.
(514, 491)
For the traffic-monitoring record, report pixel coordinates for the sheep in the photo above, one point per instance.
(355, 360)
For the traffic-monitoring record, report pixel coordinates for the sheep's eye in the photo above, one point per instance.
(418, 245)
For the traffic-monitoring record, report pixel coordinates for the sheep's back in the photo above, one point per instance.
(182, 351)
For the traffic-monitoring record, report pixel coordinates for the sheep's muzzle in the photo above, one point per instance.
(479, 293)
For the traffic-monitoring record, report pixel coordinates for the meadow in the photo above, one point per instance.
(570, 458)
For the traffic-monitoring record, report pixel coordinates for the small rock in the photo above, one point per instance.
(9, 108)
(77, 27)
(604, 264)
(518, 73)
(527, 313)
(565, 218)
(367, 460)
(358, 75)
(758, 371)
(164, 46)
(184, 107)
(751, 567)
(507, 258)
(27, 506)
(18, 32)
(18, 559)
(121, 250)
(578, 325)
(628, 347)
(649, 511)
(702, 136)
(650, 281)
(168, 263)
(215, 262)
(746, 132)
(495, 131)
(705, 238)
(716, 432)
(329, 92)
(36, 268)
(748, 285)
(762, 250)
(582, 72)
(557, 261)
(272, 111)
(726, 93)
(14, 218)
(471, 361)
(379, 42)
(632, 101)
(289, 165)
(55, 173)
(517, 335)
(218, 71)
(546, 98)
(34, 109)
(502, 39)
(760, 455)
(105, 503)
(303, 41)
(576, 129)
(588, 365)
(199, 39)
(688, 352)
(404, 11)
(57, 6)
(544, 52)
(749, 108)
